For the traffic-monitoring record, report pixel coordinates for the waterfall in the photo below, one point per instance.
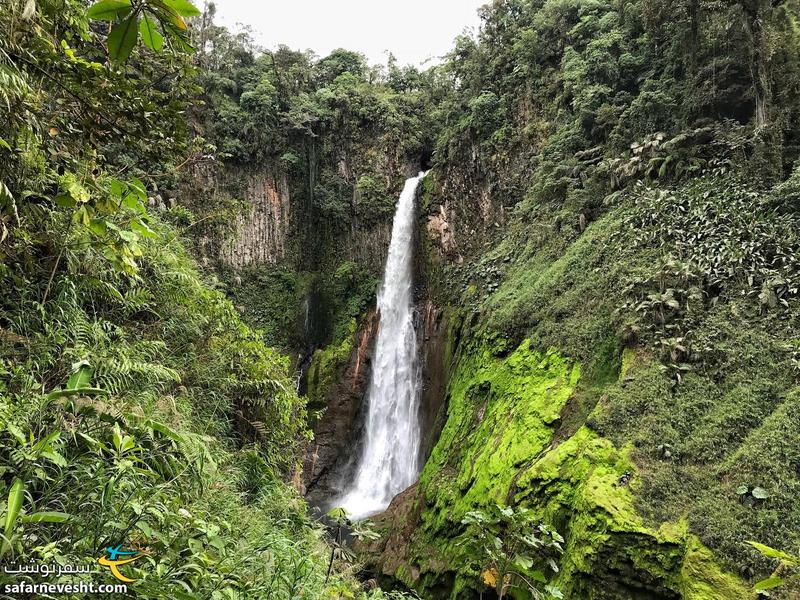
(389, 460)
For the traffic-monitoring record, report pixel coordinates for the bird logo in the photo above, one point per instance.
(115, 557)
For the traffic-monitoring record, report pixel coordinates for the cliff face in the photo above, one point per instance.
(338, 380)
(259, 235)
(463, 217)
(257, 231)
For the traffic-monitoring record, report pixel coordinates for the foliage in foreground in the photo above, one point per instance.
(136, 407)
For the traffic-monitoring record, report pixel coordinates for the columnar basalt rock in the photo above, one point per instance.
(259, 231)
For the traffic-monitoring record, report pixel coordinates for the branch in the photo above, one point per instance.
(76, 96)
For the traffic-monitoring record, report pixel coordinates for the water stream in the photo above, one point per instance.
(389, 461)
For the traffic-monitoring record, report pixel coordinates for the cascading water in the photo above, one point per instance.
(389, 461)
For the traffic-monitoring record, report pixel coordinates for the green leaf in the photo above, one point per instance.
(16, 432)
(133, 202)
(151, 37)
(98, 227)
(768, 583)
(554, 592)
(742, 490)
(109, 10)
(70, 184)
(127, 444)
(82, 216)
(15, 497)
(774, 553)
(118, 187)
(45, 442)
(122, 39)
(47, 517)
(523, 562)
(760, 493)
(5, 193)
(183, 7)
(128, 236)
(85, 391)
(81, 375)
(65, 201)
(538, 576)
(162, 429)
(142, 229)
(117, 437)
(138, 188)
(55, 457)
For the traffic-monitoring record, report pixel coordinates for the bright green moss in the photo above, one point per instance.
(702, 579)
(497, 446)
(502, 414)
(326, 364)
(628, 359)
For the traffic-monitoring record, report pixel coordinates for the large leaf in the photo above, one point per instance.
(523, 561)
(47, 517)
(132, 201)
(138, 188)
(183, 7)
(122, 39)
(142, 229)
(81, 375)
(109, 10)
(151, 37)
(15, 497)
(775, 553)
(768, 583)
(85, 391)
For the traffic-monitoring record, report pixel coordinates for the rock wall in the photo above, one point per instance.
(462, 215)
(258, 233)
(432, 336)
(338, 380)
(368, 246)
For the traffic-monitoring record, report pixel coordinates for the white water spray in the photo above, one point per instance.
(389, 461)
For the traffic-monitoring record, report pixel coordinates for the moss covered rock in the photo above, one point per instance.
(504, 443)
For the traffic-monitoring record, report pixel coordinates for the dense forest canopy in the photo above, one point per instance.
(610, 229)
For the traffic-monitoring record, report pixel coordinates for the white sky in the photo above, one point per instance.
(414, 30)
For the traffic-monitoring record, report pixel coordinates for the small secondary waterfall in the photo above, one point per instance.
(389, 461)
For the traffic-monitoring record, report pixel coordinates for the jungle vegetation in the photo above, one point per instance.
(640, 157)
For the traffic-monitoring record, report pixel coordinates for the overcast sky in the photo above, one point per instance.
(413, 30)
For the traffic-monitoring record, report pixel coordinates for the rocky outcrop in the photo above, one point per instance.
(432, 336)
(258, 232)
(338, 380)
(461, 214)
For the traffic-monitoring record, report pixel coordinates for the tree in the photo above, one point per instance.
(511, 550)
